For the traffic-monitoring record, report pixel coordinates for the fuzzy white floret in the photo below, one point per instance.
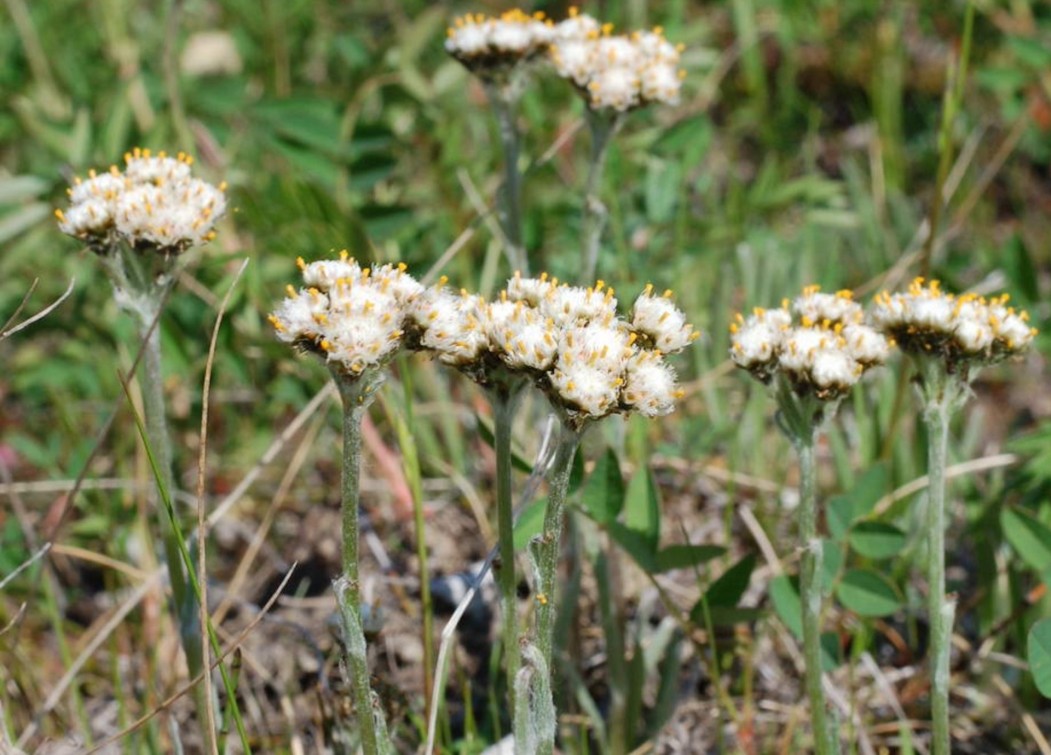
(757, 340)
(324, 273)
(529, 290)
(577, 26)
(662, 321)
(866, 345)
(615, 87)
(604, 346)
(650, 385)
(574, 59)
(529, 342)
(660, 82)
(655, 48)
(589, 389)
(301, 317)
(1013, 332)
(801, 346)
(833, 368)
(820, 307)
(568, 305)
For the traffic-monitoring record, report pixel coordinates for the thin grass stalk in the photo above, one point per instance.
(940, 611)
(602, 129)
(502, 97)
(355, 393)
(410, 454)
(546, 551)
(151, 381)
(810, 594)
(505, 406)
(196, 595)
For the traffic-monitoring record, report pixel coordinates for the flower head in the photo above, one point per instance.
(155, 203)
(353, 317)
(616, 72)
(487, 44)
(822, 353)
(964, 330)
(660, 320)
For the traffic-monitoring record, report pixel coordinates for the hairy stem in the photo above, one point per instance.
(596, 215)
(940, 611)
(504, 408)
(502, 98)
(546, 550)
(810, 594)
(357, 393)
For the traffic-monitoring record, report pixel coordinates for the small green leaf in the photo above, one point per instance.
(686, 556)
(869, 489)
(787, 606)
(839, 513)
(530, 522)
(642, 510)
(877, 540)
(832, 562)
(728, 589)
(868, 593)
(639, 546)
(603, 494)
(1030, 537)
(1039, 654)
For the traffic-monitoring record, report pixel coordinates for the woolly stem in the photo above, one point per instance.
(357, 393)
(545, 550)
(596, 215)
(810, 594)
(502, 97)
(504, 408)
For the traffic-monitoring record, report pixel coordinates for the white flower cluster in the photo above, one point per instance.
(481, 42)
(569, 339)
(154, 203)
(354, 317)
(617, 72)
(926, 320)
(824, 350)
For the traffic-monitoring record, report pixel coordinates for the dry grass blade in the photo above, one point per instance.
(21, 305)
(202, 552)
(39, 315)
(70, 676)
(234, 645)
(41, 551)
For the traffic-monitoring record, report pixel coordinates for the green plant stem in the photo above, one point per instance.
(502, 97)
(504, 408)
(939, 610)
(602, 128)
(810, 593)
(546, 550)
(356, 393)
(142, 297)
(411, 458)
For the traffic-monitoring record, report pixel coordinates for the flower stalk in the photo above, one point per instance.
(505, 406)
(545, 551)
(502, 96)
(603, 126)
(357, 392)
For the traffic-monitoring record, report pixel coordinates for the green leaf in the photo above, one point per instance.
(725, 616)
(839, 513)
(603, 495)
(785, 597)
(831, 561)
(728, 589)
(1030, 537)
(1039, 655)
(869, 489)
(638, 546)
(877, 540)
(686, 556)
(642, 511)
(868, 593)
(530, 522)
(1020, 270)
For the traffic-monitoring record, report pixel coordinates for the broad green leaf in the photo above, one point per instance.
(603, 494)
(728, 589)
(868, 593)
(726, 616)
(686, 556)
(831, 561)
(785, 597)
(839, 513)
(869, 489)
(1039, 655)
(530, 522)
(877, 540)
(1030, 537)
(642, 509)
(639, 546)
